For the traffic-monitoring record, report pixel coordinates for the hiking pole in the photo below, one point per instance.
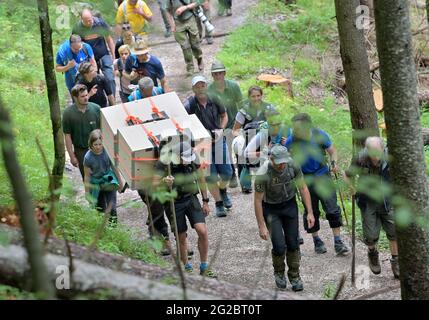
(341, 199)
(152, 227)
(173, 211)
(353, 240)
(176, 234)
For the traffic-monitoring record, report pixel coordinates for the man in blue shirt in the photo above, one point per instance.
(146, 89)
(141, 64)
(70, 55)
(96, 32)
(308, 146)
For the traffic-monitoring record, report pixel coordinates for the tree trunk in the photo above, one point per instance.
(54, 101)
(427, 10)
(408, 169)
(357, 73)
(88, 278)
(22, 197)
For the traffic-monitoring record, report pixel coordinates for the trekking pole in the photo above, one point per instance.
(353, 241)
(152, 227)
(341, 199)
(176, 234)
(173, 211)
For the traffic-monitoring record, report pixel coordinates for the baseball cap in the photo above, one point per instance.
(279, 154)
(197, 79)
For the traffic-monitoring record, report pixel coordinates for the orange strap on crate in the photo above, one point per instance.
(155, 108)
(178, 127)
(150, 135)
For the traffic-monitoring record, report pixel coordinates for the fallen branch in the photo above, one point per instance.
(88, 278)
(377, 292)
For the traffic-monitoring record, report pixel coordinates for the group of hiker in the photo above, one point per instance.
(252, 146)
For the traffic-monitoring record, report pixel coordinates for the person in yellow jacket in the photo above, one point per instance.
(133, 14)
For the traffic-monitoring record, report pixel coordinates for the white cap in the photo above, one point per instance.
(197, 79)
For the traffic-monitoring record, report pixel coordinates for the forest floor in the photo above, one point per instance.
(242, 257)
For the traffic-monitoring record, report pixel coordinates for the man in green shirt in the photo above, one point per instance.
(227, 93)
(79, 120)
(185, 29)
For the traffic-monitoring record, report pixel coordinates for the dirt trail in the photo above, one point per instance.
(242, 256)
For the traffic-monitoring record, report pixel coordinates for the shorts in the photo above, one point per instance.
(190, 207)
(374, 217)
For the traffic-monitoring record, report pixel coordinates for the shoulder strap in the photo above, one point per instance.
(85, 50)
(120, 65)
(193, 105)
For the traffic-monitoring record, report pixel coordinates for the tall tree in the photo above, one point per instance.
(427, 10)
(54, 101)
(408, 169)
(356, 69)
(39, 273)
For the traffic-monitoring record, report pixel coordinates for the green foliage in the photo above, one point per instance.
(170, 280)
(80, 225)
(11, 293)
(4, 239)
(329, 291)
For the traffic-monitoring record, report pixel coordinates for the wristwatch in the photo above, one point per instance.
(206, 200)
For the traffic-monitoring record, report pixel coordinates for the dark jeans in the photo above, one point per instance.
(105, 64)
(282, 222)
(328, 201)
(157, 212)
(80, 154)
(107, 199)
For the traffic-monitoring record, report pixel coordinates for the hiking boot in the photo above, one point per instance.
(226, 199)
(189, 268)
(280, 280)
(167, 33)
(341, 248)
(113, 221)
(233, 183)
(319, 247)
(220, 211)
(246, 190)
(229, 12)
(210, 40)
(374, 261)
(208, 273)
(394, 262)
(200, 64)
(297, 284)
